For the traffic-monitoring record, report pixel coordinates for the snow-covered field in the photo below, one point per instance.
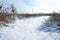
(29, 29)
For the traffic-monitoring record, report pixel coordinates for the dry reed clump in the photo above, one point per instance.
(4, 19)
(56, 19)
(7, 18)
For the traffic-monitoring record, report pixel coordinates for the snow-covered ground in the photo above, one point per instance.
(29, 29)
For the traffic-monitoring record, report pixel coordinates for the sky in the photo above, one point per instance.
(34, 6)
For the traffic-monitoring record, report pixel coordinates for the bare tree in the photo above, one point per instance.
(1, 8)
(13, 9)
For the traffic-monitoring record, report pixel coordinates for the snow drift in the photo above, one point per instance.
(30, 29)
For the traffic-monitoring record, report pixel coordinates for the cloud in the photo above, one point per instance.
(19, 4)
(22, 7)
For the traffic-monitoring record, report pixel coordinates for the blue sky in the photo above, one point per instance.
(24, 6)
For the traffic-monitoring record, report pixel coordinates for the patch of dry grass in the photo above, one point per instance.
(4, 19)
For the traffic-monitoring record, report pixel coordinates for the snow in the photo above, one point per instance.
(28, 29)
